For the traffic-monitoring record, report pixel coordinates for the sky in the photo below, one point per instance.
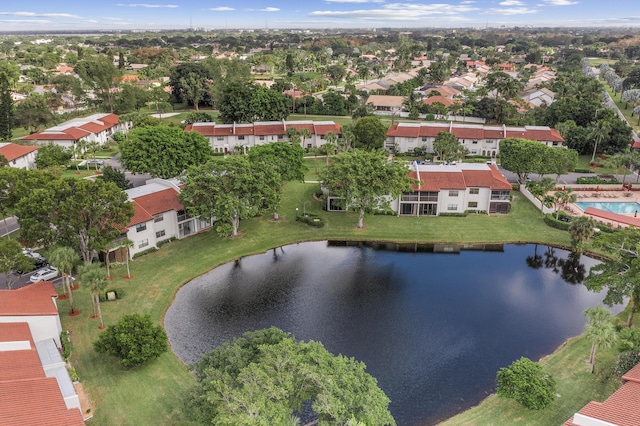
(28, 15)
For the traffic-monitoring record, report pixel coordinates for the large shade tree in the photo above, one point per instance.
(12, 259)
(448, 147)
(267, 377)
(163, 151)
(228, 190)
(369, 133)
(78, 213)
(366, 181)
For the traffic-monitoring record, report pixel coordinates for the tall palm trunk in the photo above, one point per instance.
(97, 295)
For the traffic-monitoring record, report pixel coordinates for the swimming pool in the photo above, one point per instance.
(613, 207)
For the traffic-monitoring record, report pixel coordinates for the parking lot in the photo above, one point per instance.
(23, 280)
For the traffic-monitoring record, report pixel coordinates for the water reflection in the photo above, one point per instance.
(433, 323)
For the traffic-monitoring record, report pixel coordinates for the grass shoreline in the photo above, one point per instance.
(151, 393)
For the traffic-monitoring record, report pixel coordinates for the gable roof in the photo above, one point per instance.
(459, 177)
(472, 131)
(265, 128)
(32, 300)
(12, 151)
(77, 128)
(386, 100)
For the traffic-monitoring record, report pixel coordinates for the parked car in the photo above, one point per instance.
(38, 262)
(95, 162)
(44, 274)
(30, 253)
(565, 219)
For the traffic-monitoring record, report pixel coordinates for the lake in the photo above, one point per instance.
(433, 323)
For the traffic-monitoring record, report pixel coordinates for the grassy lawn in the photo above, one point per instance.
(315, 168)
(583, 163)
(151, 394)
(596, 62)
(73, 173)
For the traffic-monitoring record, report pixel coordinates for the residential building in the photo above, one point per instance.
(620, 409)
(159, 215)
(478, 139)
(95, 128)
(392, 104)
(34, 382)
(455, 188)
(229, 137)
(19, 156)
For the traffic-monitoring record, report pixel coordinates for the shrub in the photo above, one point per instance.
(163, 242)
(550, 220)
(119, 294)
(143, 252)
(311, 220)
(453, 214)
(582, 171)
(625, 362)
(594, 180)
(73, 374)
(527, 383)
(133, 339)
(66, 345)
(515, 186)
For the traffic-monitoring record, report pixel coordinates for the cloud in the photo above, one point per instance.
(44, 15)
(467, 2)
(266, 9)
(109, 18)
(510, 11)
(400, 12)
(354, 1)
(25, 21)
(170, 6)
(221, 9)
(560, 2)
(511, 3)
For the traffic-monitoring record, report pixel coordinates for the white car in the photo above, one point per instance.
(44, 274)
(29, 253)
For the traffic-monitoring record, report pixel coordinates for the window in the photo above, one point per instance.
(220, 138)
(453, 193)
(240, 138)
(280, 137)
(475, 142)
(473, 204)
(424, 139)
(452, 207)
(474, 151)
(555, 143)
(143, 243)
(158, 218)
(474, 191)
(141, 227)
(160, 234)
(261, 138)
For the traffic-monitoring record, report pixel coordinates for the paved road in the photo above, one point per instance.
(23, 280)
(8, 225)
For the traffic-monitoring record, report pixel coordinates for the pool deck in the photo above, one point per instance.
(614, 220)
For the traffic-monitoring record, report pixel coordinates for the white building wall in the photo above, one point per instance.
(25, 162)
(42, 327)
(139, 238)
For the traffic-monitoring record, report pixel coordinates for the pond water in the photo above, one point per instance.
(432, 323)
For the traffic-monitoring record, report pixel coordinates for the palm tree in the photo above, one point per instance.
(563, 198)
(598, 133)
(618, 162)
(304, 134)
(93, 146)
(599, 330)
(93, 276)
(64, 259)
(330, 147)
(581, 229)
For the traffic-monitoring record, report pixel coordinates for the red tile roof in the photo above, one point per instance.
(443, 100)
(35, 402)
(434, 181)
(160, 202)
(140, 215)
(13, 331)
(34, 299)
(13, 151)
(410, 130)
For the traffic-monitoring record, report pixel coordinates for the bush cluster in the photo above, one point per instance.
(551, 220)
(311, 220)
(143, 252)
(594, 180)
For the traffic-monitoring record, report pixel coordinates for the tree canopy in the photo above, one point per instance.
(448, 148)
(78, 213)
(370, 133)
(163, 151)
(365, 181)
(266, 377)
(133, 339)
(12, 259)
(230, 189)
(527, 383)
(620, 275)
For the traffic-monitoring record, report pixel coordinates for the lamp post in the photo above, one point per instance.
(296, 213)
(304, 209)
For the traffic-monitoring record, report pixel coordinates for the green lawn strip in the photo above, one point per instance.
(315, 168)
(624, 107)
(151, 394)
(583, 163)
